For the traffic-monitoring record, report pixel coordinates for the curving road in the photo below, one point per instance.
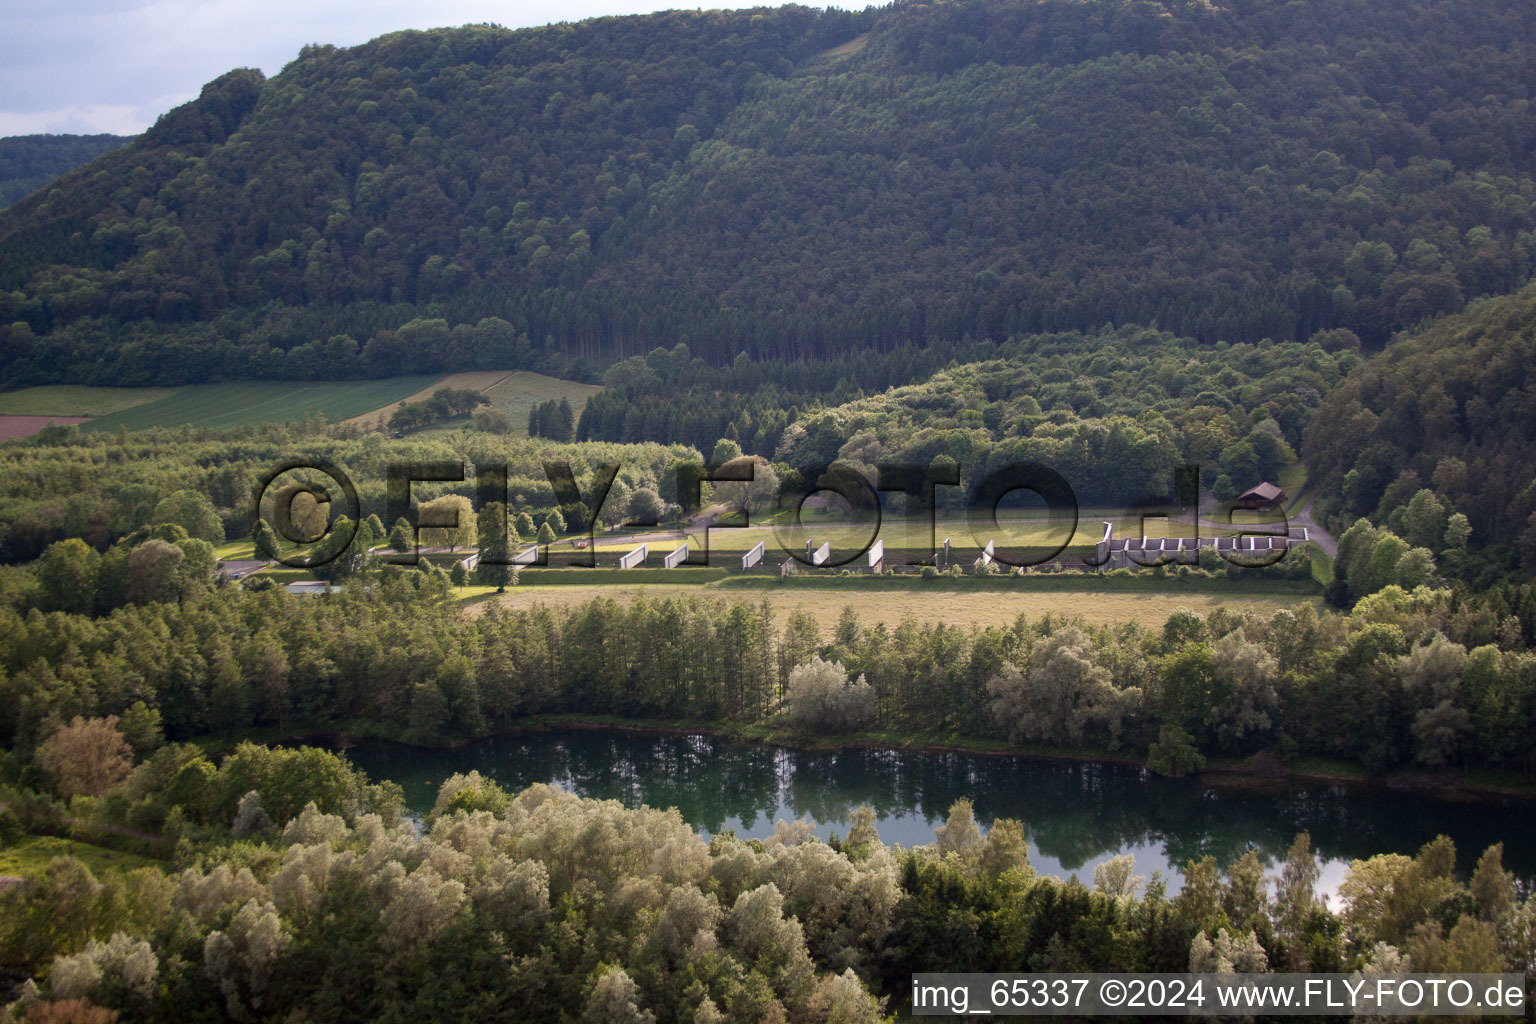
(1315, 532)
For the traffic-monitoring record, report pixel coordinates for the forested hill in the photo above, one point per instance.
(1116, 413)
(1449, 410)
(28, 162)
(794, 183)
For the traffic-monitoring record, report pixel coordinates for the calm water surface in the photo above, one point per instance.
(1075, 815)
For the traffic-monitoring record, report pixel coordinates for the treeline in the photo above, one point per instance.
(443, 404)
(554, 419)
(540, 906)
(101, 487)
(28, 162)
(979, 170)
(1427, 678)
(1444, 418)
(518, 132)
(1114, 412)
(673, 394)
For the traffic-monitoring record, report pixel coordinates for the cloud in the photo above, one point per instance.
(116, 65)
(83, 120)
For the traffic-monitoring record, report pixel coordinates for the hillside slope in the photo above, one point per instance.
(747, 181)
(28, 162)
(1450, 409)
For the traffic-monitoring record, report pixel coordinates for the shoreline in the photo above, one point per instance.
(1219, 771)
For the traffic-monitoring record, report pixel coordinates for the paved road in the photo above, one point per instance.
(698, 522)
(1314, 531)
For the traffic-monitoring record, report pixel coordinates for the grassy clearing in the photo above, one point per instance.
(30, 857)
(286, 575)
(847, 49)
(1293, 480)
(236, 551)
(475, 380)
(239, 404)
(891, 605)
(1322, 567)
(1242, 518)
(76, 400)
(683, 577)
(524, 389)
(1169, 583)
(511, 392)
(245, 550)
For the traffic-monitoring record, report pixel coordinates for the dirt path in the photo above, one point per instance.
(499, 383)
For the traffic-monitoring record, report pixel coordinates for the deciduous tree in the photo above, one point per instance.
(87, 757)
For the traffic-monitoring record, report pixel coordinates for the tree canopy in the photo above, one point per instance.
(1434, 439)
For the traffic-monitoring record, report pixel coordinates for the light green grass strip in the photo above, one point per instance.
(248, 402)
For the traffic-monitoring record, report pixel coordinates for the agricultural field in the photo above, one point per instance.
(76, 400)
(231, 404)
(25, 412)
(12, 427)
(244, 403)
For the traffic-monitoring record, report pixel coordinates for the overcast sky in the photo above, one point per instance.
(86, 66)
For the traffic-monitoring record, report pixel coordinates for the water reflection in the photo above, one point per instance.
(1075, 815)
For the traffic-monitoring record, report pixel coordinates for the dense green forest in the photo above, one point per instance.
(28, 162)
(1428, 677)
(671, 395)
(1115, 413)
(1449, 410)
(1114, 237)
(985, 169)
